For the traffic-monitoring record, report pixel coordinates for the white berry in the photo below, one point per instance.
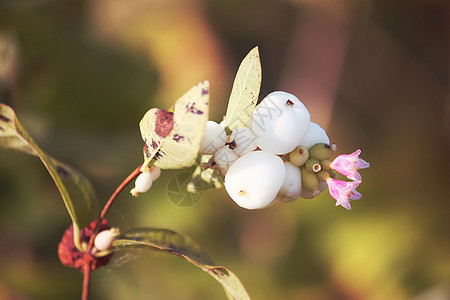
(104, 239)
(143, 183)
(254, 180)
(213, 138)
(224, 158)
(244, 140)
(280, 122)
(314, 135)
(292, 185)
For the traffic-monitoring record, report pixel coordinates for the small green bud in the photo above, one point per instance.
(325, 164)
(313, 165)
(321, 151)
(310, 181)
(323, 175)
(299, 156)
(310, 195)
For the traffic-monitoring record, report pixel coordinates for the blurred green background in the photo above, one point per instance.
(81, 74)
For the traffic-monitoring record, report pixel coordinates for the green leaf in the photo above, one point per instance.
(244, 94)
(76, 191)
(174, 243)
(172, 139)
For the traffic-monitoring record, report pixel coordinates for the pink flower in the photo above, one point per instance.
(343, 191)
(349, 164)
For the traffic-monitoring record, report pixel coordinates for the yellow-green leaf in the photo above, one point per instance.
(172, 139)
(244, 94)
(76, 191)
(174, 243)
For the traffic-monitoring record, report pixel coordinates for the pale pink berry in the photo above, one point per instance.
(343, 191)
(349, 164)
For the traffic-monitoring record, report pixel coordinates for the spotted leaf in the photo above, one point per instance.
(172, 139)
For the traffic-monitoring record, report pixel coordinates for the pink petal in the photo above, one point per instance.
(349, 164)
(343, 191)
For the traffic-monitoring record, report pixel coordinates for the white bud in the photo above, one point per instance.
(314, 135)
(224, 158)
(142, 184)
(254, 180)
(279, 123)
(155, 172)
(104, 239)
(244, 140)
(213, 138)
(292, 185)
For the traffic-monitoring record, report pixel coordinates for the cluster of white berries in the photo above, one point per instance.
(275, 156)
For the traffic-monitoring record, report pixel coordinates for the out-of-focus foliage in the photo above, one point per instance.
(374, 73)
(76, 191)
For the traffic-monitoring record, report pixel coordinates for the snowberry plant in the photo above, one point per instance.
(272, 151)
(261, 153)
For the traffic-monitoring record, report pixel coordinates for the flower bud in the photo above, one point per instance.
(310, 181)
(326, 164)
(323, 175)
(313, 165)
(321, 151)
(310, 195)
(299, 156)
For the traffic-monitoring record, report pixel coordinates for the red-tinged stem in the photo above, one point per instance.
(127, 180)
(86, 277)
(109, 203)
(88, 259)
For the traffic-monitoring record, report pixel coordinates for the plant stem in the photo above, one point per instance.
(109, 203)
(127, 180)
(88, 260)
(86, 277)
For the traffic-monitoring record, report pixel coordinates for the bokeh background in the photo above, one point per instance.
(81, 74)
